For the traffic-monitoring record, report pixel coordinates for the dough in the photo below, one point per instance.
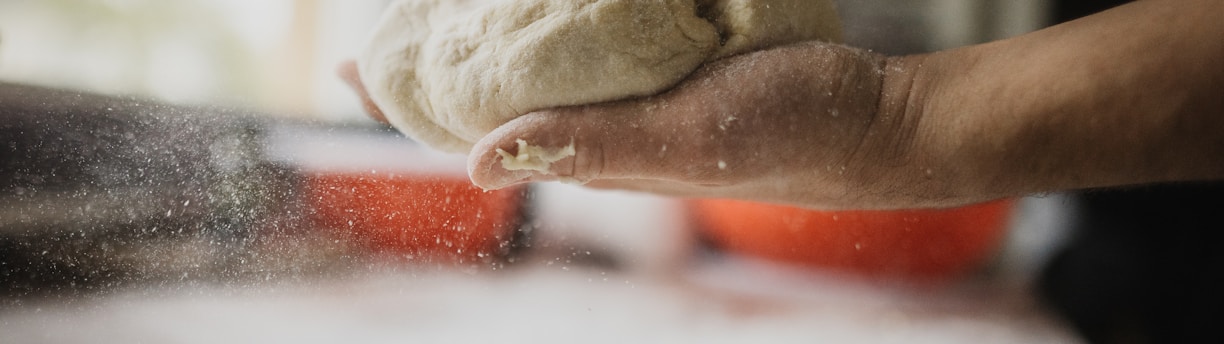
(447, 72)
(534, 158)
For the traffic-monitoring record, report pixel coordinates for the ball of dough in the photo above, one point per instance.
(447, 72)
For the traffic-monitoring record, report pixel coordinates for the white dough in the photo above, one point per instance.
(534, 158)
(447, 72)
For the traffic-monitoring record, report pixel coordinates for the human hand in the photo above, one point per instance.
(1120, 98)
(812, 124)
(348, 72)
(802, 124)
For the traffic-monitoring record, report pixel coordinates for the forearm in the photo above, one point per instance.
(1132, 95)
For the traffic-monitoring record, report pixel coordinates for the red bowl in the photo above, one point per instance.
(429, 218)
(913, 245)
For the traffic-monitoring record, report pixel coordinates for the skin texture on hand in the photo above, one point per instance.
(1128, 96)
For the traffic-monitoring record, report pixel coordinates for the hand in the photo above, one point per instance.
(801, 124)
(1124, 97)
(804, 125)
(348, 73)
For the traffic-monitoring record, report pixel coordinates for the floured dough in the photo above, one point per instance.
(447, 72)
(536, 158)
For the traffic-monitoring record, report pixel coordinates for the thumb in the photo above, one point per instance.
(618, 141)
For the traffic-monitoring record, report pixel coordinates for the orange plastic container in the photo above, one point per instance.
(909, 245)
(428, 218)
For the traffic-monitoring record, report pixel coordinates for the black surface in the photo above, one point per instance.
(1145, 266)
(1067, 10)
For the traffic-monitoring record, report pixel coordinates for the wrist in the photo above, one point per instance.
(938, 155)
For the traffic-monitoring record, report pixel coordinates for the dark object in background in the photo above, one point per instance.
(1067, 10)
(88, 181)
(1144, 266)
(73, 158)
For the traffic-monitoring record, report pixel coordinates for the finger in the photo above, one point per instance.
(348, 72)
(624, 140)
(658, 187)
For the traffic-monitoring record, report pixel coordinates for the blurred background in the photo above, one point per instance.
(193, 171)
(275, 55)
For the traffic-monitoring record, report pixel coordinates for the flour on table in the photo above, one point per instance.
(448, 72)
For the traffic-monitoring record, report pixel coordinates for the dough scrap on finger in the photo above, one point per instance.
(533, 158)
